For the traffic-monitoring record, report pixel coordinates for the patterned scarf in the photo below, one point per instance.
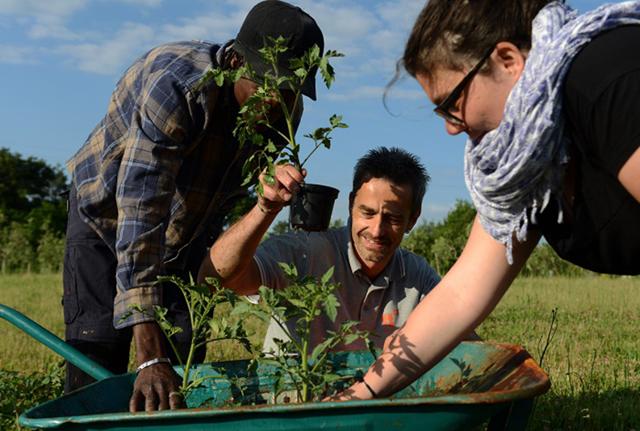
(517, 168)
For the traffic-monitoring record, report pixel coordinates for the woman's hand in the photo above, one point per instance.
(357, 391)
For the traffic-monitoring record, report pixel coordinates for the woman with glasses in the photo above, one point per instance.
(550, 101)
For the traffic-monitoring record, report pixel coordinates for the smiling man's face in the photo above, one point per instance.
(380, 215)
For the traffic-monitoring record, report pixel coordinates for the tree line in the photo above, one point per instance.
(442, 242)
(33, 213)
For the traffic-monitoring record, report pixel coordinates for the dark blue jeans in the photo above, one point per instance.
(89, 290)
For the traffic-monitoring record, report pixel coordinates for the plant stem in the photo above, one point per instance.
(187, 366)
(305, 370)
(171, 344)
(194, 333)
(291, 140)
(285, 329)
(309, 155)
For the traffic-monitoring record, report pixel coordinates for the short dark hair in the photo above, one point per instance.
(396, 165)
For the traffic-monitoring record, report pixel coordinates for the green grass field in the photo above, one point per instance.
(593, 359)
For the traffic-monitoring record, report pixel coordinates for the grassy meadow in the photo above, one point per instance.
(593, 359)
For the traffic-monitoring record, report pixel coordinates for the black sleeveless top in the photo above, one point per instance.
(601, 231)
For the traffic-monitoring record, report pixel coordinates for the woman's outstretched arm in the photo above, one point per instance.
(464, 297)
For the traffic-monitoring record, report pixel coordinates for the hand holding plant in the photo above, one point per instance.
(286, 182)
(274, 89)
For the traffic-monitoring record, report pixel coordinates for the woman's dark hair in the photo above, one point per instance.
(396, 165)
(455, 33)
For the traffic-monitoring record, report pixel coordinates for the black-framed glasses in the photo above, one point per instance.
(442, 109)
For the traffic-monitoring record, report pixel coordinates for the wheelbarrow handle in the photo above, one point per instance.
(53, 342)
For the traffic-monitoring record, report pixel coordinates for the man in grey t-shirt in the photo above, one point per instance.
(380, 282)
(380, 302)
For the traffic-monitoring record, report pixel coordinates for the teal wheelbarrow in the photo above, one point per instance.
(475, 384)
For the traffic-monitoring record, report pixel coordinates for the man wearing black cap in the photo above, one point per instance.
(150, 188)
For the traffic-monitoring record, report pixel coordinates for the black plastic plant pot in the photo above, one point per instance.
(311, 207)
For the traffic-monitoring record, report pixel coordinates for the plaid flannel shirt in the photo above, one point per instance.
(160, 169)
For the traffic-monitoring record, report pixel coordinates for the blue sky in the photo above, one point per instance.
(60, 60)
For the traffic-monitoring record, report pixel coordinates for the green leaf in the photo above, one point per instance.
(280, 81)
(242, 307)
(320, 349)
(215, 326)
(289, 269)
(331, 307)
(331, 378)
(314, 54)
(269, 362)
(296, 63)
(327, 72)
(298, 303)
(320, 133)
(268, 178)
(333, 53)
(326, 277)
(218, 76)
(335, 120)
(259, 189)
(350, 338)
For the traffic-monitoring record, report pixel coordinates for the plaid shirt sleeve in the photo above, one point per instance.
(146, 184)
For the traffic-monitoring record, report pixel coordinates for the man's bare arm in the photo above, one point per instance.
(230, 259)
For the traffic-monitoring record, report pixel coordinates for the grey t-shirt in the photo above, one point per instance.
(380, 305)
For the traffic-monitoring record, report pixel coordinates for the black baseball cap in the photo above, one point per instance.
(271, 19)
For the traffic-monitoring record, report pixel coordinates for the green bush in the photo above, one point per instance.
(441, 243)
(544, 262)
(17, 253)
(50, 252)
(23, 391)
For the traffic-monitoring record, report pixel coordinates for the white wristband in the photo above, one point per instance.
(151, 362)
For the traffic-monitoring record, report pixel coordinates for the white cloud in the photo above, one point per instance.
(58, 8)
(374, 92)
(363, 92)
(110, 56)
(51, 28)
(12, 54)
(345, 27)
(146, 3)
(244, 5)
(218, 26)
(435, 211)
(44, 19)
(405, 94)
(371, 35)
(400, 13)
(387, 40)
